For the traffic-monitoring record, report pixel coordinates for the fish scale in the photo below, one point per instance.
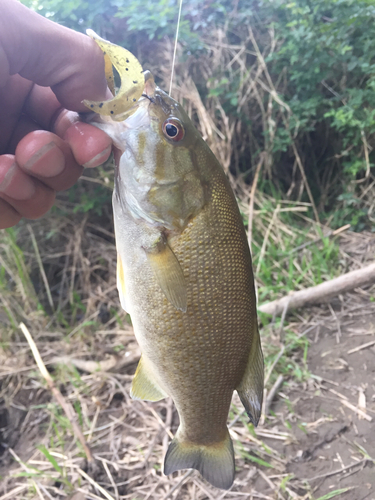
(218, 316)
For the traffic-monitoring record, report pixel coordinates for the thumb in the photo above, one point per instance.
(51, 56)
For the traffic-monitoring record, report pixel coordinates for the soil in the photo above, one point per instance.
(332, 444)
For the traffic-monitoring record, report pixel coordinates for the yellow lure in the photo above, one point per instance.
(131, 74)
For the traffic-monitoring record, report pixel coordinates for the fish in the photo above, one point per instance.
(184, 274)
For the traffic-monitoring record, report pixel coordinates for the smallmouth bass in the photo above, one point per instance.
(184, 271)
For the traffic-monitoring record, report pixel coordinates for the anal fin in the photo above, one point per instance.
(250, 389)
(168, 273)
(143, 386)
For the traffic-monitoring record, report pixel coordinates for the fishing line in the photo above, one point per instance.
(175, 47)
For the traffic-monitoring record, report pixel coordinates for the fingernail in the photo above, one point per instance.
(49, 161)
(15, 183)
(99, 158)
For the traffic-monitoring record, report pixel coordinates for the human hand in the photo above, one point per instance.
(45, 70)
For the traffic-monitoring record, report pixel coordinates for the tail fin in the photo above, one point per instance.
(215, 462)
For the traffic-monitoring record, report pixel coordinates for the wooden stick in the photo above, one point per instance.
(271, 395)
(95, 484)
(337, 471)
(252, 197)
(356, 410)
(11, 494)
(345, 402)
(323, 292)
(360, 347)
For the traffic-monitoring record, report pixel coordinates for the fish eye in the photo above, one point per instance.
(173, 129)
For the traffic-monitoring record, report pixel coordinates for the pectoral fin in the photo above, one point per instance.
(250, 389)
(169, 275)
(144, 386)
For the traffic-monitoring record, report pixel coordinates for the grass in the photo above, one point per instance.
(290, 251)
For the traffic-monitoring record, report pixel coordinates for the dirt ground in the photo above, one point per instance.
(333, 443)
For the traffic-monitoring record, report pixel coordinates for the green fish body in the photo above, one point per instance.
(185, 277)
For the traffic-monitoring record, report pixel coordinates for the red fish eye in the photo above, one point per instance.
(173, 129)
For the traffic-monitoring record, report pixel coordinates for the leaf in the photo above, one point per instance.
(50, 458)
(333, 494)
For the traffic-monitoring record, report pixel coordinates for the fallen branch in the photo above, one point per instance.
(356, 410)
(360, 347)
(323, 292)
(337, 471)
